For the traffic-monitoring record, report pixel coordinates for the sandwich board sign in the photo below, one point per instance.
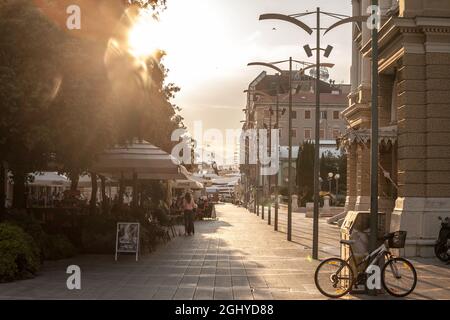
(127, 238)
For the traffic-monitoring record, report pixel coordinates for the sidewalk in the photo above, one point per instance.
(236, 257)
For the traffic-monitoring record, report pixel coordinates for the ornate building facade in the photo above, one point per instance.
(414, 118)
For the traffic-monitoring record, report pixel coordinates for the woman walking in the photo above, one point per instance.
(188, 207)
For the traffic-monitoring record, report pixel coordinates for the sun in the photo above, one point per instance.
(146, 37)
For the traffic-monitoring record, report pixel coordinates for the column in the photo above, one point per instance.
(350, 200)
(355, 50)
(363, 178)
(413, 154)
(366, 35)
(386, 192)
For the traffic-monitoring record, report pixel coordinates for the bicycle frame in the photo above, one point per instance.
(371, 259)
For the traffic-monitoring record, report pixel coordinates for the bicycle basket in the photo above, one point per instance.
(397, 239)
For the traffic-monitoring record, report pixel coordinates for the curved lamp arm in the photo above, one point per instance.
(264, 64)
(276, 16)
(347, 20)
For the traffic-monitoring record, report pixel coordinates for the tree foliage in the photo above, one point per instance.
(59, 103)
(328, 163)
(305, 172)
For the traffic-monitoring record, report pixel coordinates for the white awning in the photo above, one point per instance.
(49, 179)
(142, 158)
(187, 184)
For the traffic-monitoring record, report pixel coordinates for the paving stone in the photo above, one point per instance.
(223, 294)
(184, 294)
(204, 293)
(237, 256)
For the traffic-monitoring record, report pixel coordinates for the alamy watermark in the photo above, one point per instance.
(256, 146)
(74, 280)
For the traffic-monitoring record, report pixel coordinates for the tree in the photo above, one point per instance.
(57, 101)
(28, 80)
(336, 165)
(82, 112)
(305, 172)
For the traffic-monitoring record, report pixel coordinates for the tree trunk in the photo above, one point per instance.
(121, 190)
(93, 202)
(105, 200)
(135, 200)
(3, 180)
(74, 178)
(19, 190)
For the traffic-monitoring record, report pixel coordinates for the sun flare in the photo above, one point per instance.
(145, 38)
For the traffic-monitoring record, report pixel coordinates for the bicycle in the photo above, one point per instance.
(394, 273)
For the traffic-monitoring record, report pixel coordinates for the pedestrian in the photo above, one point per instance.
(189, 207)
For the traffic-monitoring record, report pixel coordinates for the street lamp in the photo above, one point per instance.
(272, 66)
(336, 177)
(257, 202)
(293, 19)
(330, 178)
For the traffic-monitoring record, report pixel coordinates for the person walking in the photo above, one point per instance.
(189, 207)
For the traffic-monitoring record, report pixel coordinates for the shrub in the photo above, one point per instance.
(31, 226)
(19, 254)
(99, 231)
(98, 234)
(51, 247)
(58, 247)
(161, 213)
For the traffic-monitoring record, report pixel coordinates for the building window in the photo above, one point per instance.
(308, 134)
(336, 133)
(323, 115)
(322, 134)
(294, 114)
(266, 113)
(336, 115)
(307, 114)
(294, 133)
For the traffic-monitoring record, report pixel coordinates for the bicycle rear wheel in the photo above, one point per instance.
(399, 277)
(334, 277)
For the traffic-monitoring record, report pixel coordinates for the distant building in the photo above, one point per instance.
(261, 112)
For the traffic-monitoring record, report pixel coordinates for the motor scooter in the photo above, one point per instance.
(442, 246)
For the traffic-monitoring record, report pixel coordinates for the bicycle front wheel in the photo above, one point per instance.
(334, 277)
(399, 277)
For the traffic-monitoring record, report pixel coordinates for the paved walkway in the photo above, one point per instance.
(236, 257)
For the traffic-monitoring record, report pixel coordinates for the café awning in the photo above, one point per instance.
(187, 184)
(142, 158)
(49, 179)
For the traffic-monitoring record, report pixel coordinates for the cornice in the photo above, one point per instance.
(395, 27)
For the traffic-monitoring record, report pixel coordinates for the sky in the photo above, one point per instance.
(210, 42)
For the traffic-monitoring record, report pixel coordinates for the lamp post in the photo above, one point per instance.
(374, 141)
(293, 20)
(330, 178)
(257, 202)
(272, 66)
(336, 177)
(269, 127)
(277, 204)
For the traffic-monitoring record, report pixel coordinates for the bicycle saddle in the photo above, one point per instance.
(349, 242)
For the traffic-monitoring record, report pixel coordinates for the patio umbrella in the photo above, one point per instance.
(49, 179)
(188, 184)
(140, 159)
